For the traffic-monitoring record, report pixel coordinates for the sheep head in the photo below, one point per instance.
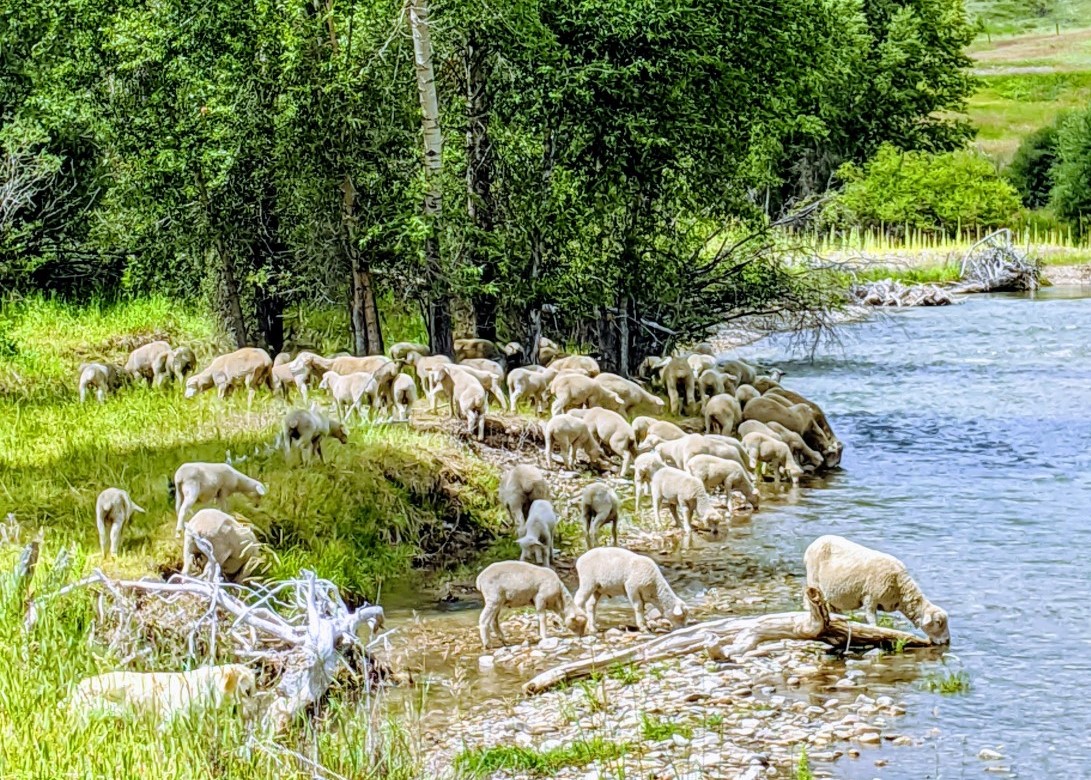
(934, 624)
(576, 621)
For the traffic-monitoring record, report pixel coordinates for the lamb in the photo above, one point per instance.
(681, 491)
(101, 377)
(463, 388)
(166, 694)
(423, 367)
(248, 366)
(572, 390)
(677, 452)
(284, 380)
(149, 362)
(581, 364)
(797, 417)
(571, 433)
(614, 571)
(519, 488)
(234, 546)
(113, 509)
(349, 390)
(612, 432)
(403, 349)
(644, 467)
(851, 576)
(729, 474)
(699, 362)
(765, 450)
(491, 382)
(405, 395)
(796, 443)
(675, 372)
(306, 428)
(181, 363)
(484, 364)
(519, 584)
(599, 505)
(722, 413)
(632, 395)
(537, 538)
(744, 372)
(200, 483)
(530, 384)
(661, 429)
(712, 382)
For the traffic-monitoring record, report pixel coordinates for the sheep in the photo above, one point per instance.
(166, 694)
(520, 584)
(763, 384)
(703, 348)
(796, 443)
(614, 571)
(492, 383)
(570, 433)
(347, 392)
(744, 372)
(464, 389)
(677, 452)
(306, 429)
(422, 367)
(712, 383)
(599, 505)
(234, 547)
(199, 483)
(832, 447)
(537, 538)
(661, 429)
(681, 491)
(102, 377)
(350, 364)
(632, 395)
(675, 371)
(722, 413)
(248, 366)
(645, 465)
(799, 418)
(731, 475)
(405, 395)
(851, 576)
(305, 368)
(284, 380)
(282, 358)
(744, 394)
(149, 362)
(700, 362)
(582, 364)
(181, 364)
(768, 450)
(403, 349)
(530, 384)
(113, 509)
(612, 433)
(548, 350)
(519, 488)
(476, 348)
(572, 390)
(483, 364)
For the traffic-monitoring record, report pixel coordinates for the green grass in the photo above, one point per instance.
(483, 762)
(657, 729)
(948, 682)
(626, 674)
(1008, 107)
(803, 766)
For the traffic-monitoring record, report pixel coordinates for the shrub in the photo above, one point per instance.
(922, 191)
(1071, 195)
(1030, 168)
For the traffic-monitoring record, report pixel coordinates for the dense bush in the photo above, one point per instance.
(922, 191)
(1029, 171)
(1071, 195)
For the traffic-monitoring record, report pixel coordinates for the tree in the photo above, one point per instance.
(1030, 168)
(1071, 194)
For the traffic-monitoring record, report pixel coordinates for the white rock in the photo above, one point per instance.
(549, 643)
(486, 662)
(988, 754)
(679, 740)
(884, 701)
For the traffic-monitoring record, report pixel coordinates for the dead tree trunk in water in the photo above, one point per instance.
(438, 304)
(479, 202)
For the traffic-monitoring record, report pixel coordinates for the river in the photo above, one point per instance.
(967, 432)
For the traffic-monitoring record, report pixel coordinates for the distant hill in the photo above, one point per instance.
(1014, 17)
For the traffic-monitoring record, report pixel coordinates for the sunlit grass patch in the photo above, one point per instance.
(483, 762)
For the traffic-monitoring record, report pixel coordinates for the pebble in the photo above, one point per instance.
(679, 740)
(549, 643)
(988, 754)
(844, 682)
(486, 662)
(998, 769)
(884, 702)
(869, 737)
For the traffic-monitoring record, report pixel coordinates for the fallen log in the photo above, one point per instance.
(725, 639)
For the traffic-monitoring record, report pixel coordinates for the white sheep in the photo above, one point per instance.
(465, 391)
(675, 372)
(765, 450)
(149, 362)
(570, 434)
(612, 433)
(234, 547)
(201, 483)
(403, 349)
(530, 384)
(249, 366)
(405, 396)
(644, 467)
(520, 584)
(661, 429)
(722, 413)
(599, 505)
(791, 438)
(614, 571)
(305, 429)
(678, 451)
(851, 576)
(632, 395)
(492, 383)
(113, 509)
(519, 488)
(484, 364)
(538, 531)
(744, 394)
(581, 364)
(731, 475)
(422, 367)
(570, 390)
(181, 363)
(711, 382)
(348, 391)
(100, 377)
(681, 491)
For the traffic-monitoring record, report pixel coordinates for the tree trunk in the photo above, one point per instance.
(438, 300)
(479, 201)
(228, 300)
(367, 335)
(269, 250)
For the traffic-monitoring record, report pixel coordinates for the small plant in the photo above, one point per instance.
(803, 766)
(899, 646)
(595, 695)
(948, 683)
(714, 721)
(483, 762)
(626, 674)
(885, 621)
(656, 729)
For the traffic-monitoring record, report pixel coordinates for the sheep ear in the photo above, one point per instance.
(928, 620)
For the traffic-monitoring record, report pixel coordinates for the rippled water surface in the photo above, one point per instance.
(967, 432)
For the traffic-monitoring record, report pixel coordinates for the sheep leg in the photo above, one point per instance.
(487, 619)
(100, 394)
(115, 537)
(626, 459)
(570, 456)
(100, 521)
(188, 549)
(687, 519)
(588, 534)
(592, 602)
(655, 506)
(674, 514)
(583, 602)
(186, 504)
(542, 626)
(614, 532)
(638, 608)
(870, 610)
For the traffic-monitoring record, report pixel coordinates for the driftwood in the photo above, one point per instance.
(728, 638)
(993, 264)
(888, 292)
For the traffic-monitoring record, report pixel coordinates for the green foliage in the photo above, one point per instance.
(657, 729)
(948, 682)
(1071, 196)
(626, 674)
(803, 766)
(916, 190)
(1030, 170)
(484, 762)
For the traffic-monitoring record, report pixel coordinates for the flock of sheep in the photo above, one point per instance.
(753, 429)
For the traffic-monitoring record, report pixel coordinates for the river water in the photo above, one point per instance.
(967, 432)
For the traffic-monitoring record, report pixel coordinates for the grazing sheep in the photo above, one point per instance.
(548, 350)
(520, 584)
(165, 694)
(350, 364)
(599, 505)
(281, 359)
(349, 390)
(492, 383)
(744, 372)
(405, 395)
(675, 372)
(248, 366)
(476, 348)
(569, 434)
(284, 380)
(202, 483)
(305, 430)
(722, 413)
(633, 396)
(234, 546)
(851, 576)
(530, 384)
(831, 446)
(101, 377)
(403, 349)
(661, 429)
(798, 417)
(464, 389)
(483, 364)
(422, 367)
(182, 363)
(681, 491)
(711, 382)
(579, 364)
(113, 509)
(536, 540)
(700, 362)
(796, 443)
(765, 450)
(703, 348)
(573, 390)
(614, 571)
(644, 467)
(519, 488)
(744, 394)
(763, 384)
(731, 475)
(612, 433)
(677, 452)
(149, 362)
